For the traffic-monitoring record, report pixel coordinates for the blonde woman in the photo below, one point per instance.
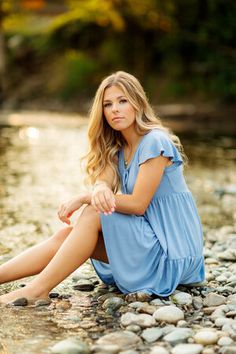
(140, 226)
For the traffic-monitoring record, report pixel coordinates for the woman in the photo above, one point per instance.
(147, 238)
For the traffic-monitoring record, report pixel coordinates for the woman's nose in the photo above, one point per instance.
(114, 107)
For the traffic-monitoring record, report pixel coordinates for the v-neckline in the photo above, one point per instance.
(135, 151)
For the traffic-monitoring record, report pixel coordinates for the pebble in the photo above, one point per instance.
(206, 337)
(42, 302)
(152, 334)
(133, 328)
(22, 301)
(138, 296)
(228, 350)
(169, 314)
(142, 320)
(84, 285)
(182, 298)
(179, 335)
(187, 349)
(197, 302)
(123, 339)
(113, 303)
(214, 300)
(70, 346)
(159, 350)
(223, 341)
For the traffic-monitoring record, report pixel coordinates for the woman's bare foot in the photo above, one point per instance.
(26, 292)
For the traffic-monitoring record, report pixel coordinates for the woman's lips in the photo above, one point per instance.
(116, 119)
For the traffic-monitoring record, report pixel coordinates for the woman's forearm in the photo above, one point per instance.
(127, 204)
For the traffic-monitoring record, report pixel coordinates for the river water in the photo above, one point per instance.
(40, 167)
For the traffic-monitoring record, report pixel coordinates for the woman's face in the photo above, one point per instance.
(117, 110)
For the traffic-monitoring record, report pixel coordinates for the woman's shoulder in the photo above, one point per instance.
(156, 134)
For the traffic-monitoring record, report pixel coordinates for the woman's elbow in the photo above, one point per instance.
(140, 210)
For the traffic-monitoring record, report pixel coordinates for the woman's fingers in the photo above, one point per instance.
(104, 202)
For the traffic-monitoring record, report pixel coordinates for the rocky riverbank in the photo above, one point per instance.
(84, 315)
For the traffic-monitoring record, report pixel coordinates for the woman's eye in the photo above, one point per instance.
(123, 101)
(106, 105)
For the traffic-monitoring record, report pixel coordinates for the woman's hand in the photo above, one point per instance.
(103, 199)
(67, 208)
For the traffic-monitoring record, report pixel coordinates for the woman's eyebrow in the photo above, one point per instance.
(116, 97)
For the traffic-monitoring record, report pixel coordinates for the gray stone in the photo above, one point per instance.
(84, 285)
(129, 352)
(187, 349)
(179, 335)
(214, 300)
(157, 302)
(42, 302)
(228, 350)
(197, 303)
(22, 301)
(106, 349)
(70, 346)
(133, 328)
(169, 314)
(123, 339)
(142, 320)
(182, 298)
(152, 334)
(223, 341)
(113, 303)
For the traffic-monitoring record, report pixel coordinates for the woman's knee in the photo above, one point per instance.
(60, 236)
(91, 215)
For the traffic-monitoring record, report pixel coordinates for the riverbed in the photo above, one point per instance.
(40, 167)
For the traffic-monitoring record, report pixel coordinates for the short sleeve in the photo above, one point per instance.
(158, 143)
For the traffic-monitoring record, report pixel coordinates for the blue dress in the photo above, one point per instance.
(163, 248)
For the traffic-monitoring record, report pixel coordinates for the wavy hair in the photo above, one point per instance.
(105, 142)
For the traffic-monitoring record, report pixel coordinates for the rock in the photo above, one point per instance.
(129, 352)
(214, 300)
(133, 328)
(149, 309)
(159, 350)
(151, 334)
(169, 314)
(141, 320)
(179, 335)
(113, 303)
(228, 255)
(123, 339)
(197, 303)
(70, 346)
(206, 337)
(221, 321)
(42, 302)
(54, 295)
(84, 285)
(228, 350)
(182, 298)
(139, 296)
(231, 299)
(182, 324)
(187, 349)
(157, 302)
(136, 304)
(22, 301)
(223, 341)
(106, 349)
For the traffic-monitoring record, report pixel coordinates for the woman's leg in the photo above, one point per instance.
(33, 260)
(79, 245)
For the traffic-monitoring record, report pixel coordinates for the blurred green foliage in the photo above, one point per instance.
(177, 48)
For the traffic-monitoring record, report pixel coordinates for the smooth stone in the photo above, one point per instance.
(231, 299)
(136, 304)
(208, 351)
(213, 299)
(221, 279)
(124, 339)
(197, 303)
(53, 295)
(221, 321)
(151, 334)
(182, 324)
(133, 328)
(157, 302)
(169, 314)
(113, 303)
(70, 346)
(84, 285)
(159, 350)
(223, 341)
(206, 337)
(129, 352)
(106, 349)
(187, 349)
(42, 302)
(21, 301)
(228, 350)
(182, 298)
(228, 255)
(179, 335)
(142, 320)
(149, 309)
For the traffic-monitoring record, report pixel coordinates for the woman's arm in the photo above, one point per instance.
(148, 179)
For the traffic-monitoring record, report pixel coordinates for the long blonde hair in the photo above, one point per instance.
(105, 142)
